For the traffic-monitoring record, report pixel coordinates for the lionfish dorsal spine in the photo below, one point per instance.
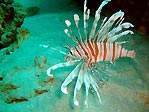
(71, 34)
(117, 29)
(115, 33)
(108, 25)
(76, 19)
(97, 17)
(115, 37)
(86, 18)
(96, 36)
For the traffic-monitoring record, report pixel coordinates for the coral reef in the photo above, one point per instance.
(31, 11)
(11, 18)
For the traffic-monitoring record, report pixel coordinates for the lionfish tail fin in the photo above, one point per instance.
(131, 54)
(128, 53)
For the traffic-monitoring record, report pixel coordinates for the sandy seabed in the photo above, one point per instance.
(25, 87)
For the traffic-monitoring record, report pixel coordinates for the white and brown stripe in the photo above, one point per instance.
(100, 45)
(102, 51)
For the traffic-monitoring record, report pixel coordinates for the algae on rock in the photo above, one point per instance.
(11, 18)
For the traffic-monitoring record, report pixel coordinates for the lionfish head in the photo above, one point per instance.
(70, 55)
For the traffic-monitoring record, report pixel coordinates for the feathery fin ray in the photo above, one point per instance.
(97, 17)
(100, 45)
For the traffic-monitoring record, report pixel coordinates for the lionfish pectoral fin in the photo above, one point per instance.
(66, 54)
(64, 89)
(70, 77)
(96, 88)
(87, 86)
(78, 85)
(59, 65)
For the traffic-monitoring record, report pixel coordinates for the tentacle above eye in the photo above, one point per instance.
(69, 63)
(70, 77)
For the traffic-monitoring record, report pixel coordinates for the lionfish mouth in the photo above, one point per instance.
(104, 45)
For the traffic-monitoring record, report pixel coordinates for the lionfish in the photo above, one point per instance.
(98, 46)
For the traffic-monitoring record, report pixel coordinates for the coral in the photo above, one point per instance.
(11, 18)
(31, 11)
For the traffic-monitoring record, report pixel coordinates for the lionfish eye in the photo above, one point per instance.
(70, 52)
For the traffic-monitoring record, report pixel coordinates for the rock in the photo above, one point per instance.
(11, 18)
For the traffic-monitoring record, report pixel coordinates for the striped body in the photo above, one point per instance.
(101, 51)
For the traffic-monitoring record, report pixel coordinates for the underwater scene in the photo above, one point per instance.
(74, 56)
